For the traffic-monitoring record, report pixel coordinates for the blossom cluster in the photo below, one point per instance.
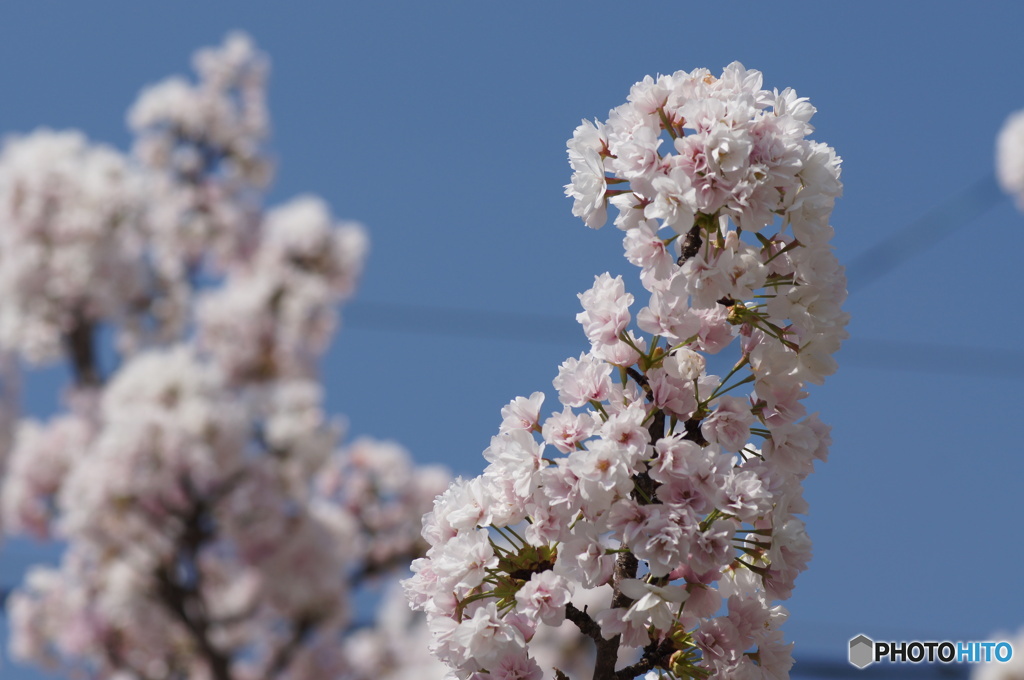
(216, 527)
(658, 493)
(70, 249)
(206, 142)
(1010, 157)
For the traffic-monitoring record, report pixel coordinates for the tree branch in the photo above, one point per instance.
(693, 432)
(608, 650)
(185, 600)
(177, 599)
(691, 244)
(655, 655)
(640, 379)
(583, 621)
(80, 345)
(286, 652)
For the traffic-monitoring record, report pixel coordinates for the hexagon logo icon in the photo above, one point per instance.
(862, 651)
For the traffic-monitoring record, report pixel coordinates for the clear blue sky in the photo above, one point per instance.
(442, 127)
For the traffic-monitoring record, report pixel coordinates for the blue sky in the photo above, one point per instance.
(442, 127)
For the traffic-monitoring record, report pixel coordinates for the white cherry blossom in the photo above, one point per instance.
(674, 489)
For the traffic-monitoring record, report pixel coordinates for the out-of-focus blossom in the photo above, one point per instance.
(217, 527)
(1010, 157)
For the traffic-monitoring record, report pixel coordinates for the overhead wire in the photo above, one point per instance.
(958, 210)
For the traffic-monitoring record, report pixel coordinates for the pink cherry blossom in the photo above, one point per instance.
(216, 524)
(671, 488)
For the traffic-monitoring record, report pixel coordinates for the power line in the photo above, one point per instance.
(878, 260)
(923, 357)
(429, 320)
(957, 211)
(542, 328)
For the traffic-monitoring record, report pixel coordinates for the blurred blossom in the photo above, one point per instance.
(217, 525)
(1010, 157)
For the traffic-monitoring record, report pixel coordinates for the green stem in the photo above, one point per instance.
(503, 535)
(739, 364)
(666, 123)
(471, 599)
(497, 548)
(788, 247)
(624, 336)
(513, 532)
(719, 392)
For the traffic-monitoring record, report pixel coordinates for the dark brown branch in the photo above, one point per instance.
(691, 244)
(286, 652)
(184, 599)
(79, 342)
(607, 656)
(640, 379)
(646, 486)
(657, 426)
(583, 621)
(655, 654)
(608, 650)
(177, 598)
(693, 432)
(625, 568)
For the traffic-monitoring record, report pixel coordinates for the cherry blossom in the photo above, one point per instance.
(675, 490)
(1010, 157)
(217, 524)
